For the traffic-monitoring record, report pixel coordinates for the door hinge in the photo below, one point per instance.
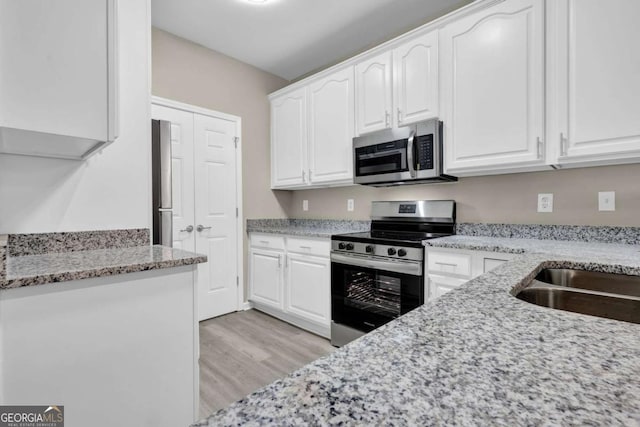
(236, 212)
(235, 141)
(237, 280)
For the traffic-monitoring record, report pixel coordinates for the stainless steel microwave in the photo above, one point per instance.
(407, 155)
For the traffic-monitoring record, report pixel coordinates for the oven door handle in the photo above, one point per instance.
(405, 267)
(410, 154)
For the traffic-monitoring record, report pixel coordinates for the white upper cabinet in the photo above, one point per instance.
(415, 88)
(594, 76)
(58, 85)
(289, 139)
(493, 89)
(331, 128)
(399, 87)
(312, 130)
(374, 93)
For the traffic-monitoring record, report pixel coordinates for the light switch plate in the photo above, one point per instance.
(545, 202)
(607, 201)
(350, 205)
(305, 205)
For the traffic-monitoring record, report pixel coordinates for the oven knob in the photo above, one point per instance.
(341, 246)
(391, 251)
(349, 246)
(402, 252)
(369, 249)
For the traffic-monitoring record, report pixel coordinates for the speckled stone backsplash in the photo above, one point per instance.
(584, 233)
(42, 243)
(307, 227)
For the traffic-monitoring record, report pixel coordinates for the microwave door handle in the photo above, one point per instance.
(410, 154)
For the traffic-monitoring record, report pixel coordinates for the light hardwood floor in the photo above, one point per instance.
(244, 351)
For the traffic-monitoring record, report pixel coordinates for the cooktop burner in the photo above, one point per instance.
(403, 224)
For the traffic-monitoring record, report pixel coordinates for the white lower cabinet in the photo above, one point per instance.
(290, 278)
(447, 269)
(308, 295)
(266, 277)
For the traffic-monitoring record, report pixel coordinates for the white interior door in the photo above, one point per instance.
(215, 214)
(182, 174)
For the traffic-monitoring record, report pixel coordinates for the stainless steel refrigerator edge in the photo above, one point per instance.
(161, 178)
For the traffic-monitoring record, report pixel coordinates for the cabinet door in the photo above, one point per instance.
(596, 72)
(331, 123)
(59, 67)
(373, 93)
(289, 139)
(309, 288)
(265, 277)
(416, 79)
(493, 88)
(440, 285)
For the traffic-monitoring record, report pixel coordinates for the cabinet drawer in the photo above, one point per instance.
(458, 264)
(271, 241)
(318, 247)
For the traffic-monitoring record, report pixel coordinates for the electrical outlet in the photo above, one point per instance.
(545, 202)
(607, 201)
(305, 205)
(350, 205)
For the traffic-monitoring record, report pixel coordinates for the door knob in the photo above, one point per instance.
(189, 229)
(201, 228)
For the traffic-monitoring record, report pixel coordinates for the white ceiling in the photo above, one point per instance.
(290, 38)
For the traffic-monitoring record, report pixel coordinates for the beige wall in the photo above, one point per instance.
(501, 198)
(190, 73)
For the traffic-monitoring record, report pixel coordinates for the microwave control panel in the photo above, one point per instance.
(424, 154)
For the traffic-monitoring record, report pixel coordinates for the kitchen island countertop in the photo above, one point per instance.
(37, 259)
(475, 356)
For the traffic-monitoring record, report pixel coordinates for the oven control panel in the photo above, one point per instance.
(373, 249)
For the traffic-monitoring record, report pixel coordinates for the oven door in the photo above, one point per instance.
(367, 293)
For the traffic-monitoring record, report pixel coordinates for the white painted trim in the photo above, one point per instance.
(177, 105)
(240, 219)
(240, 223)
(247, 306)
(392, 44)
(313, 327)
(149, 155)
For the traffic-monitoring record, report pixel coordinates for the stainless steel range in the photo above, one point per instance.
(377, 276)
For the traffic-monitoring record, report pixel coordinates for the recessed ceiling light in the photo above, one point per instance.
(257, 1)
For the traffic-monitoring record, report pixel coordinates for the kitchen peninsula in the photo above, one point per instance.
(475, 356)
(75, 330)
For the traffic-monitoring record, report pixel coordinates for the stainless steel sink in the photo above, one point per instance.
(613, 296)
(620, 284)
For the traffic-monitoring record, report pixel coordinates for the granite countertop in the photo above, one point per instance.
(617, 251)
(475, 356)
(38, 259)
(306, 227)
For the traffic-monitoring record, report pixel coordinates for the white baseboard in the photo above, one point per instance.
(322, 330)
(246, 306)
